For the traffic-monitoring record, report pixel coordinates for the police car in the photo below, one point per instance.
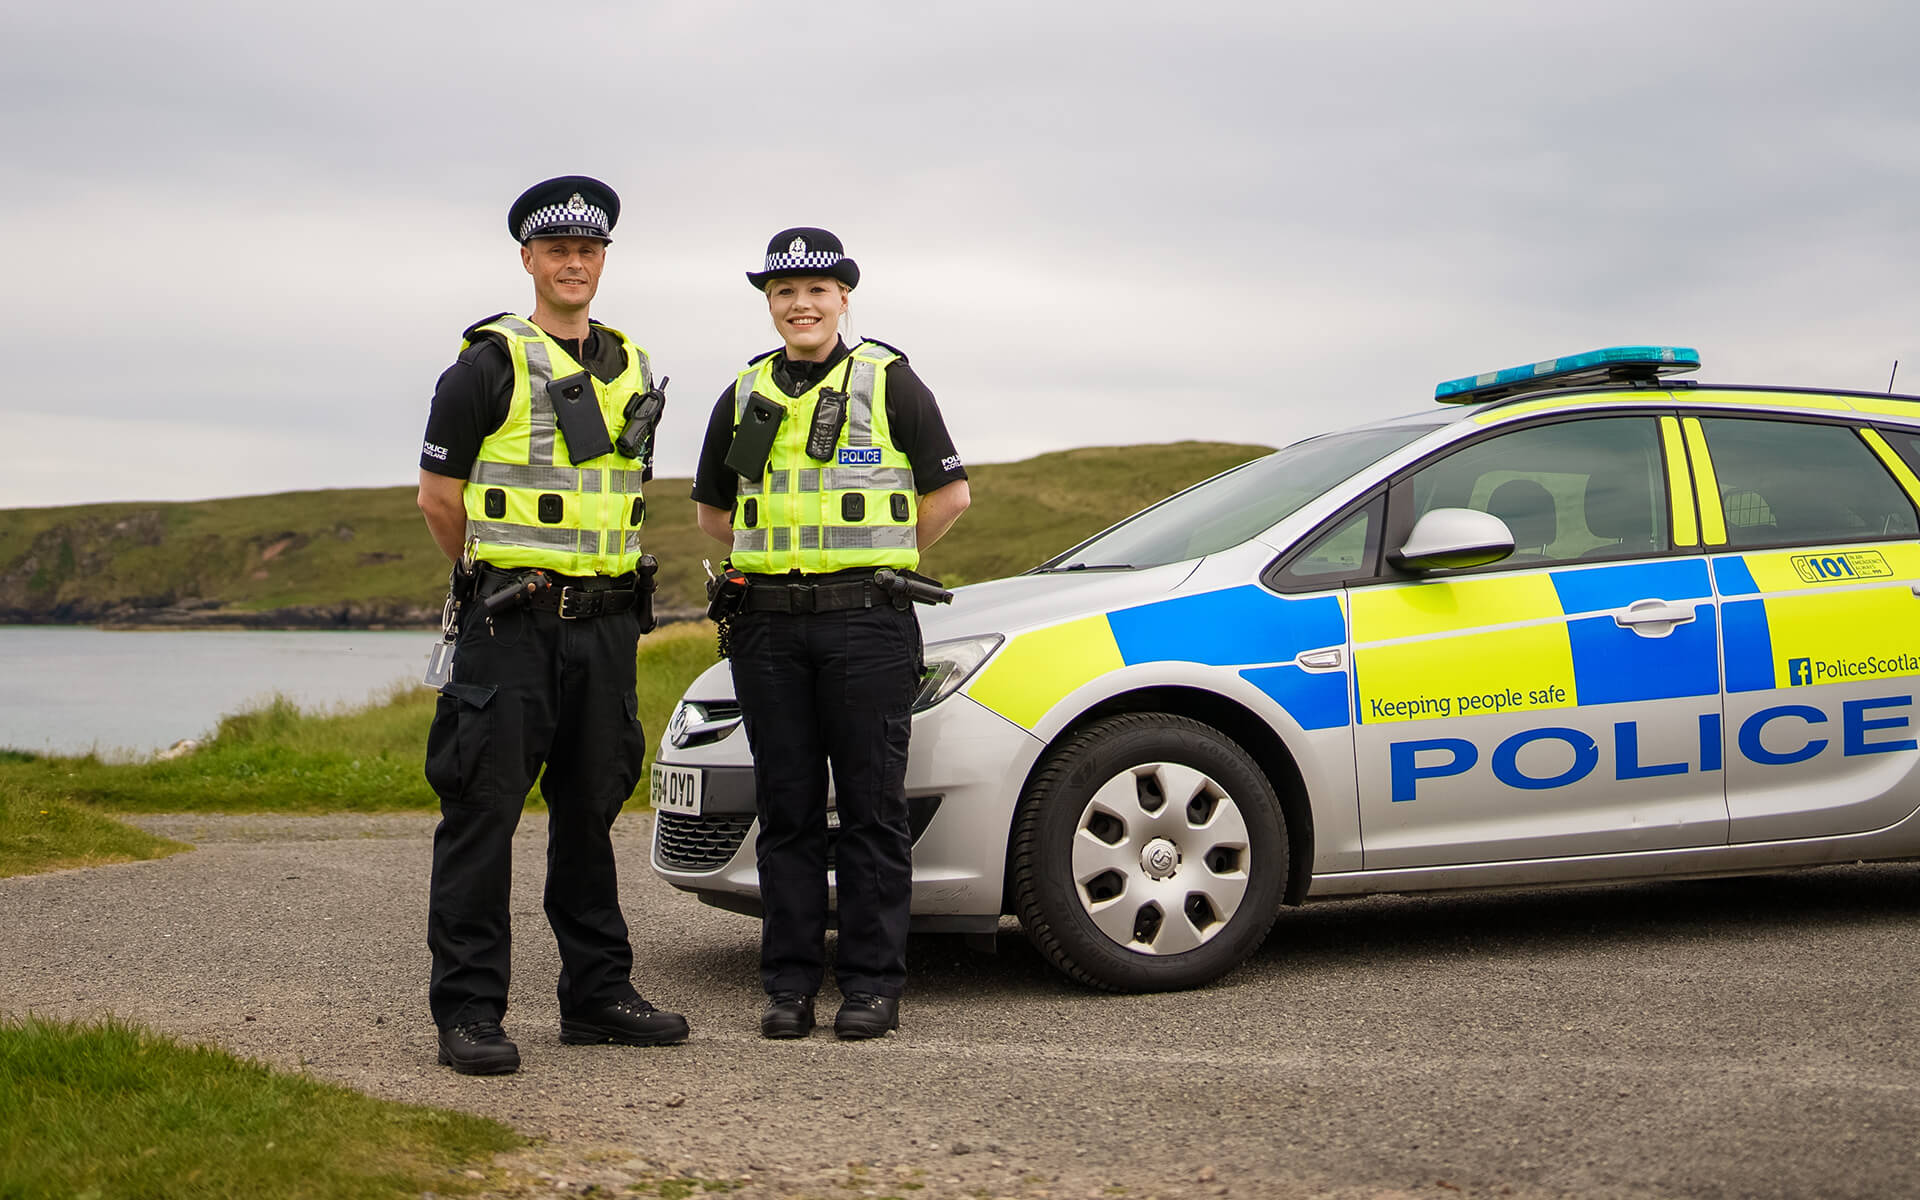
(1581, 621)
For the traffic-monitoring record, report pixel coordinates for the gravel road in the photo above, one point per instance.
(1725, 1038)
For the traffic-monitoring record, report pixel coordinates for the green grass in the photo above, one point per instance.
(275, 758)
(41, 831)
(101, 1111)
(363, 554)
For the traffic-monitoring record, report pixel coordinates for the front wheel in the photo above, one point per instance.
(1149, 854)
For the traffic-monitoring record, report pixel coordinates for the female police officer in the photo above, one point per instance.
(821, 465)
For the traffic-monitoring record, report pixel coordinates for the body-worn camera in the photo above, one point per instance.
(576, 409)
(753, 437)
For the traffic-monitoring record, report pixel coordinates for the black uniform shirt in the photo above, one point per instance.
(473, 395)
(913, 419)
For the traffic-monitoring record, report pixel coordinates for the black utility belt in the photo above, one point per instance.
(572, 603)
(881, 588)
(813, 597)
(571, 597)
(586, 583)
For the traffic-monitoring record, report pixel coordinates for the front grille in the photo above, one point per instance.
(706, 842)
(698, 843)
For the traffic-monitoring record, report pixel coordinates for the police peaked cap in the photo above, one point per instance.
(804, 250)
(569, 206)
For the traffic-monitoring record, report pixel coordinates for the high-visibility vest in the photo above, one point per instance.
(856, 509)
(527, 504)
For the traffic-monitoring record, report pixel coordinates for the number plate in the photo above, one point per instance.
(676, 789)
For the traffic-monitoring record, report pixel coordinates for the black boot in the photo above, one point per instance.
(865, 1015)
(788, 1015)
(478, 1048)
(630, 1022)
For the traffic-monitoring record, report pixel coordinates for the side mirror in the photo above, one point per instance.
(1454, 537)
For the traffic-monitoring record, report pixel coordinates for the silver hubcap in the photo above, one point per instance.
(1160, 858)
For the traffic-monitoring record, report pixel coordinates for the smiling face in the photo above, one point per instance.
(565, 270)
(806, 313)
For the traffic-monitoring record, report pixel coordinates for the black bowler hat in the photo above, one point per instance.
(570, 206)
(805, 251)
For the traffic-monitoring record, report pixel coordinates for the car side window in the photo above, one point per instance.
(1344, 552)
(1905, 443)
(1785, 483)
(1571, 491)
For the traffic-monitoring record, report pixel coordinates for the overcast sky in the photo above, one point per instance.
(246, 237)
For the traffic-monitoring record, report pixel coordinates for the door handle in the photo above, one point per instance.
(1653, 612)
(1321, 660)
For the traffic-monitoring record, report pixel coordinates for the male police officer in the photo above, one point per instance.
(536, 446)
(823, 467)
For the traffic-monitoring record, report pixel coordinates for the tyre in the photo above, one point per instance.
(1149, 854)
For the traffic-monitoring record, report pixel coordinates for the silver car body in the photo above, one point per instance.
(1730, 694)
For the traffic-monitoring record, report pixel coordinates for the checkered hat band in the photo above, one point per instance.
(812, 260)
(590, 223)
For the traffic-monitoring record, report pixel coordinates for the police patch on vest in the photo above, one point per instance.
(860, 456)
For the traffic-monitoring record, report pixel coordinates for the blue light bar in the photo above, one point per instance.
(1615, 364)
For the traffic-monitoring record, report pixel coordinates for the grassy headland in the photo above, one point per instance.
(358, 557)
(110, 1110)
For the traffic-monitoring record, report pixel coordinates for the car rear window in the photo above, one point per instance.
(1788, 483)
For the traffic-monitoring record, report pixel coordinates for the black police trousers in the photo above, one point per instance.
(814, 689)
(533, 691)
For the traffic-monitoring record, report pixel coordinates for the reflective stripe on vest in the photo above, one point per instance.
(855, 510)
(860, 403)
(523, 510)
(552, 479)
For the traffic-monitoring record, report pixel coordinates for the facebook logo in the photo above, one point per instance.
(1799, 671)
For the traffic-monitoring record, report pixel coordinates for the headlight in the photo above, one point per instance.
(949, 664)
(699, 722)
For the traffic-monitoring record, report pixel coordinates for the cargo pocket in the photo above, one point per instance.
(458, 741)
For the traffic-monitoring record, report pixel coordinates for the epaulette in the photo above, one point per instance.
(897, 350)
(482, 323)
(763, 356)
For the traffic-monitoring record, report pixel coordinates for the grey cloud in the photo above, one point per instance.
(1076, 218)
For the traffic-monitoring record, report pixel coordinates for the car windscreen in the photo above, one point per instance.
(1230, 508)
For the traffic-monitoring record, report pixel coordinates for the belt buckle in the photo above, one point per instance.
(799, 598)
(568, 596)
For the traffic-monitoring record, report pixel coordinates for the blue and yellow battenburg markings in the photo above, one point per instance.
(1794, 619)
(1479, 645)
(1789, 620)
(1247, 627)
